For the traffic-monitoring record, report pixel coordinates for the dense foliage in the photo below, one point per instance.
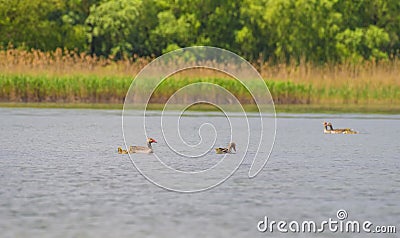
(279, 30)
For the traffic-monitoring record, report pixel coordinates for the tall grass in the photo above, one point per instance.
(68, 76)
(66, 62)
(97, 89)
(87, 89)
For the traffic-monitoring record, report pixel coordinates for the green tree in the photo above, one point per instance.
(186, 22)
(254, 39)
(175, 33)
(141, 37)
(378, 18)
(362, 43)
(29, 24)
(315, 30)
(71, 20)
(302, 28)
(110, 24)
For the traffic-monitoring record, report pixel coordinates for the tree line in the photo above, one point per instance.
(318, 31)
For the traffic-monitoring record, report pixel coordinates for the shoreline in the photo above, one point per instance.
(279, 108)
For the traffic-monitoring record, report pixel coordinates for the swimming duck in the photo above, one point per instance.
(228, 150)
(121, 151)
(330, 130)
(143, 149)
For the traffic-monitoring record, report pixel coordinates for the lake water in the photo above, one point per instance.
(60, 176)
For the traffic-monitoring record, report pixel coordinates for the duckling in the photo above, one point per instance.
(121, 151)
(330, 130)
(228, 150)
(143, 149)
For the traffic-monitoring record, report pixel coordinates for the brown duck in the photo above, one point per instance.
(328, 129)
(227, 150)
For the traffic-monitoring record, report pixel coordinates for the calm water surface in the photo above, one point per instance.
(60, 176)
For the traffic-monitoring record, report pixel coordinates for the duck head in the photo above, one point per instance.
(231, 146)
(328, 124)
(151, 140)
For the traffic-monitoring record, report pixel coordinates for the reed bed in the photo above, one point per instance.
(66, 62)
(65, 89)
(106, 89)
(70, 77)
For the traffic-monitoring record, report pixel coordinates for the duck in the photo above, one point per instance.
(330, 130)
(121, 151)
(228, 150)
(143, 149)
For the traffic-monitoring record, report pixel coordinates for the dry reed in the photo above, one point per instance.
(365, 82)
